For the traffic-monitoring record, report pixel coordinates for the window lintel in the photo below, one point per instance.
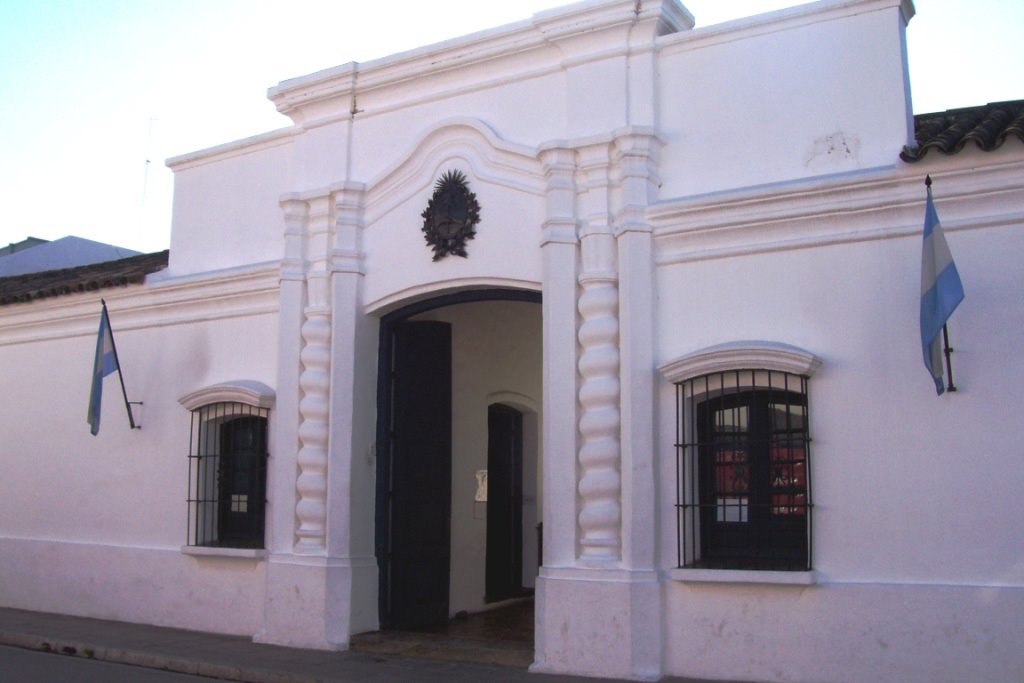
(745, 355)
(248, 392)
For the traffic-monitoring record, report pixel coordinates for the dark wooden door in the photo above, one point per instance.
(504, 503)
(419, 479)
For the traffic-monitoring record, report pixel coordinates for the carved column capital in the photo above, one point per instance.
(560, 226)
(636, 155)
(296, 213)
(346, 251)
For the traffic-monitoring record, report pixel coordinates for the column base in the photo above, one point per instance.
(598, 622)
(318, 602)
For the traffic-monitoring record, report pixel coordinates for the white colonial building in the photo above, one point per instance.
(623, 270)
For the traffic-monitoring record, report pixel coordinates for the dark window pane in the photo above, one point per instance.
(743, 471)
(227, 476)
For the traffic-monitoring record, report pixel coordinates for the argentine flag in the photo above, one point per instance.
(941, 290)
(104, 364)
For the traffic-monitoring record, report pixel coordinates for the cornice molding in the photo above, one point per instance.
(236, 148)
(572, 21)
(515, 166)
(247, 391)
(234, 293)
(882, 203)
(741, 355)
(327, 94)
(779, 20)
(464, 141)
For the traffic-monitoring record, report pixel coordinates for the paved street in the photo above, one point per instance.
(35, 636)
(27, 666)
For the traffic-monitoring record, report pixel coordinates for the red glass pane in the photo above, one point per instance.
(731, 471)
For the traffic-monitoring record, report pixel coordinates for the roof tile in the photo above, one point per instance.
(987, 126)
(50, 283)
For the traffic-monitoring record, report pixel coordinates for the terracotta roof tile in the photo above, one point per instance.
(986, 126)
(50, 283)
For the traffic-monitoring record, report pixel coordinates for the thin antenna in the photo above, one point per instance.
(145, 174)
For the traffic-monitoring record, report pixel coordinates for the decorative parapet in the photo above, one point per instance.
(497, 56)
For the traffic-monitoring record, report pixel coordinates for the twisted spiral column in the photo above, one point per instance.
(311, 509)
(600, 482)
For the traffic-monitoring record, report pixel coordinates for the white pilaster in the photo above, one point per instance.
(559, 246)
(285, 418)
(635, 159)
(602, 615)
(351, 476)
(301, 607)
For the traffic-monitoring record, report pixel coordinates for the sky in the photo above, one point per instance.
(97, 94)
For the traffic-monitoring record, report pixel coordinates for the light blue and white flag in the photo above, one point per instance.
(941, 290)
(104, 364)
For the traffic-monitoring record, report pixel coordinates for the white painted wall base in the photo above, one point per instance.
(313, 602)
(160, 586)
(845, 632)
(598, 622)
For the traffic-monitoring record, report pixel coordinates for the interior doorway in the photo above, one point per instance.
(504, 569)
(446, 547)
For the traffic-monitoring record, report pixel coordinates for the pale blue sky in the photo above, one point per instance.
(94, 88)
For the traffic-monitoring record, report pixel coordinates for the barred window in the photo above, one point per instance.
(743, 470)
(227, 475)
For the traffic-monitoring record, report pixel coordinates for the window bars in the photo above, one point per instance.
(227, 475)
(743, 471)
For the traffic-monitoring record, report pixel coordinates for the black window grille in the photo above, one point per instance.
(743, 471)
(227, 475)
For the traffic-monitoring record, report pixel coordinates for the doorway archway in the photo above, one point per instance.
(439, 360)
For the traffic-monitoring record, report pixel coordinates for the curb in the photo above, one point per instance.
(148, 660)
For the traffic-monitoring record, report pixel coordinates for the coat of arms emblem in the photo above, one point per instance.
(451, 215)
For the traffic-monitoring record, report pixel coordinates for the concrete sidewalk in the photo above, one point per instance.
(238, 658)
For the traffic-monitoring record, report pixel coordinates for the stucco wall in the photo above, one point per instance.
(844, 632)
(94, 525)
(782, 96)
(225, 211)
(917, 569)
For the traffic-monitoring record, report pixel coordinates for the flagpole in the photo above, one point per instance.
(948, 351)
(113, 347)
(941, 292)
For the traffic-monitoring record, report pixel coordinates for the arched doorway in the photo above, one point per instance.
(439, 551)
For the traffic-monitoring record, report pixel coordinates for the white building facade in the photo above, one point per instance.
(683, 337)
